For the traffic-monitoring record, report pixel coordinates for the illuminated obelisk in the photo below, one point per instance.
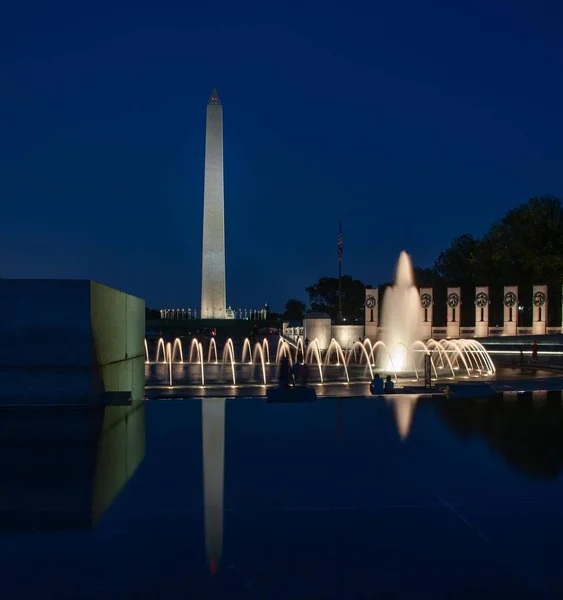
(213, 296)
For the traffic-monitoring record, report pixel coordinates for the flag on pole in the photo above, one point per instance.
(339, 241)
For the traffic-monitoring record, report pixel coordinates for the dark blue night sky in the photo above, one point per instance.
(413, 121)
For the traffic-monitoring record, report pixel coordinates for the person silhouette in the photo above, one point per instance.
(283, 373)
(376, 385)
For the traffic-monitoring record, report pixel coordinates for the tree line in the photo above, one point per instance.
(523, 248)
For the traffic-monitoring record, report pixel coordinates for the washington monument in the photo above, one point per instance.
(213, 296)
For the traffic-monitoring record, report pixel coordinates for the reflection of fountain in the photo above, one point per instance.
(403, 407)
(213, 436)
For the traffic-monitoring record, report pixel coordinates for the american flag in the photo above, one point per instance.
(340, 246)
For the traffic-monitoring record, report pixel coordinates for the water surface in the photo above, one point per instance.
(340, 498)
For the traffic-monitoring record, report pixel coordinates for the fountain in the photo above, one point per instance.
(398, 353)
(399, 350)
(400, 317)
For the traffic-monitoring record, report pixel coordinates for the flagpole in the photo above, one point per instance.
(339, 313)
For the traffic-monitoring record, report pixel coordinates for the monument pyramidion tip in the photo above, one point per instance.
(214, 98)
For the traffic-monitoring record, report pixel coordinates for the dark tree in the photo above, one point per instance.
(151, 314)
(294, 310)
(454, 266)
(323, 297)
(525, 246)
(427, 277)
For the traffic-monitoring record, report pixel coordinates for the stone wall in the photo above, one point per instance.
(346, 335)
(69, 341)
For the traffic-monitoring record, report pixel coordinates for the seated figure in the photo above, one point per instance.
(376, 385)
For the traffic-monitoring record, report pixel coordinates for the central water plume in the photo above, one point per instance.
(400, 317)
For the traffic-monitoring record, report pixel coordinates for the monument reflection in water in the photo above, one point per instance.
(526, 429)
(213, 436)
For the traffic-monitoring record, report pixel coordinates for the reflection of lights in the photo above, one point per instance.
(549, 352)
(520, 308)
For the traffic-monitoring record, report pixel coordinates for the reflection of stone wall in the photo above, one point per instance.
(68, 341)
(62, 468)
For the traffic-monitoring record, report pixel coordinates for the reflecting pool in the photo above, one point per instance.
(405, 497)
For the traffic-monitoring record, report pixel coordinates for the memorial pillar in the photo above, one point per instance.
(454, 312)
(426, 304)
(371, 313)
(539, 301)
(481, 311)
(510, 301)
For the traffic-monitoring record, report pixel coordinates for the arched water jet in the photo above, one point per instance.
(425, 350)
(177, 348)
(314, 350)
(380, 344)
(169, 361)
(212, 348)
(229, 351)
(340, 354)
(441, 353)
(459, 354)
(484, 357)
(147, 361)
(246, 349)
(260, 352)
(363, 352)
(200, 350)
(409, 354)
(266, 350)
(283, 349)
(299, 347)
(194, 349)
(160, 347)
(475, 355)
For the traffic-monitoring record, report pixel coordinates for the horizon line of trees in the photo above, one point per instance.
(523, 248)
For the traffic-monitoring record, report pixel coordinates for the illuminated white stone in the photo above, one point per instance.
(510, 320)
(317, 326)
(454, 312)
(539, 303)
(371, 313)
(481, 311)
(213, 294)
(426, 309)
